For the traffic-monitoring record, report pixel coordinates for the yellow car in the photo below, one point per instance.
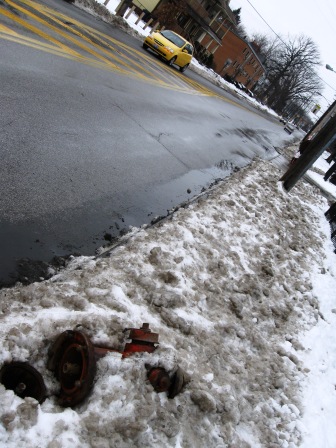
(172, 47)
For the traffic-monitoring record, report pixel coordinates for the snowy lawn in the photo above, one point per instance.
(240, 285)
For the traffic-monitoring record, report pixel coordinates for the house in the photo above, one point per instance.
(236, 58)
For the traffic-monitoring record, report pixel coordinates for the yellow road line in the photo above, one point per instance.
(56, 30)
(34, 30)
(37, 45)
(53, 16)
(9, 34)
(5, 29)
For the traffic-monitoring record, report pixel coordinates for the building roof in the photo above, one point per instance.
(225, 6)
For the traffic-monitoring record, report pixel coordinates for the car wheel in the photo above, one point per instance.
(172, 61)
(145, 46)
(184, 68)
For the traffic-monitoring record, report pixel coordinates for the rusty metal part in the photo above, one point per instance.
(72, 359)
(159, 379)
(177, 382)
(100, 352)
(24, 380)
(143, 340)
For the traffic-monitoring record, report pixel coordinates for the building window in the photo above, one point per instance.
(192, 30)
(182, 20)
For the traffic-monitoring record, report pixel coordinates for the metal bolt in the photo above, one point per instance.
(80, 348)
(71, 369)
(21, 387)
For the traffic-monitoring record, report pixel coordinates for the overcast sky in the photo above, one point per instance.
(314, 18)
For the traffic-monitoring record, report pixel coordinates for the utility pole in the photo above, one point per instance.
(314, 149)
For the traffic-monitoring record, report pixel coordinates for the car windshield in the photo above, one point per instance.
(177, 40)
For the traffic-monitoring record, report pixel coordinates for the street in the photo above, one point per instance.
(98, 135)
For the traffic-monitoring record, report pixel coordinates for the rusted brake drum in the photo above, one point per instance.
(72, 359)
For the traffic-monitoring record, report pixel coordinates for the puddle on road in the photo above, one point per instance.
(34, 251)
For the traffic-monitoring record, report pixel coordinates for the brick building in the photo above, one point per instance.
(235, 57)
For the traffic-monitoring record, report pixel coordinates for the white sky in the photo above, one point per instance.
(294, 17)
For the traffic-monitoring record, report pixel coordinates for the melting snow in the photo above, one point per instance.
(245, 305)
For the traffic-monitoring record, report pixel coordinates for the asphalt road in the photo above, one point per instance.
(98, 135)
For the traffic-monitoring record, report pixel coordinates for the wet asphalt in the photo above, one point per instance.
(86, 153)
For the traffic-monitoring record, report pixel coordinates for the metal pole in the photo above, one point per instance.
(315, 148)
(319, 123)
(330, 171)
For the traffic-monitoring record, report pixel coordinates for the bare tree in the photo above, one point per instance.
(168, 13)
(291, 70)
(263, 45)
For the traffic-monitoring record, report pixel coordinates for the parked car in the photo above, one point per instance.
(289, 128)
(228, 78)
(172, 47)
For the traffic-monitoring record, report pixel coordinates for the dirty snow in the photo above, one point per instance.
(239, 285)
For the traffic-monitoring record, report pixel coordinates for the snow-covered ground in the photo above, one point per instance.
(240, 285)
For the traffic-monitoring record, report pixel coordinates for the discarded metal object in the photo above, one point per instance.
(143, 340)
(73, 359)
(24, 380)
(177, 383)
(161, 381)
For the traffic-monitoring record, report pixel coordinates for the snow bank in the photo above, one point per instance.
(229, 283)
